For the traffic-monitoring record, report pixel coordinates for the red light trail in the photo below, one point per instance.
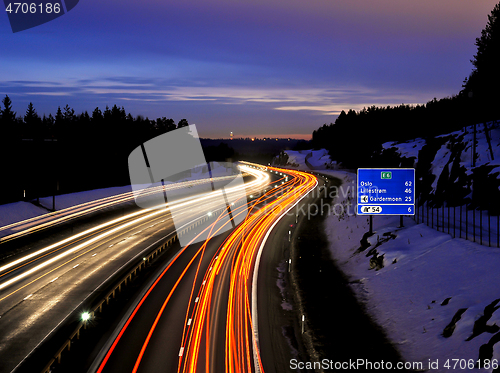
(235, 263)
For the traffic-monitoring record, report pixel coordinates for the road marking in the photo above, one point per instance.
(197, 299)
(94, 254)
(181, 351)
(189, 322)
(76, 266)
(29, 296)
(54, 279)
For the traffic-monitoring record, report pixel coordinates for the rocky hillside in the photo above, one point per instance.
(444, 165)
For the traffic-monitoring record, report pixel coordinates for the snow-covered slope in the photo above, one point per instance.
(436, 297)
(446, 160)
(308, 159)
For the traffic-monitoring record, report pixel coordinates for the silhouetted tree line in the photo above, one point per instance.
(355, 136)
(222, 152)
(70, 152)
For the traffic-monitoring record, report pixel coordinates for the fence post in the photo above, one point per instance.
(460, 230)
(474, 224)
(466, 223)
(448, 219)
(454, 220)
(442, 217)
(489, 229)
(416, 216)
(480, 226)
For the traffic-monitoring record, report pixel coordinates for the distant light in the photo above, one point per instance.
(251, 195)
(209, 213)
(143, 258)
(253, 138)
(85, 316)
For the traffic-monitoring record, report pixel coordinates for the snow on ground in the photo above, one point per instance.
(426, 278)
(406, 149)
(319, 158)
(484, 132)
(309, 159)
(68, 200)
(440, 161)
(297, 158)
(17, 211)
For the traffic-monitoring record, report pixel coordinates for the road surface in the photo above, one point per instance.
(201, 315)
(44, 285)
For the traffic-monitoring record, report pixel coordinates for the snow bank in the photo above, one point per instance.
(309, 159)
(424, 278)
(72, 199)
(17, 211)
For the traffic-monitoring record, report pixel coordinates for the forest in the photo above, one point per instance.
(72, 152)
(357, 135)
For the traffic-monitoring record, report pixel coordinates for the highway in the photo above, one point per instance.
(51, 219)
(42, 286)
(202, 312)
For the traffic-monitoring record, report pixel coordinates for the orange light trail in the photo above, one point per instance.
(235, 261)
(241, 348)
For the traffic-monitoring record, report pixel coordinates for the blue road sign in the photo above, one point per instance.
(386, 191)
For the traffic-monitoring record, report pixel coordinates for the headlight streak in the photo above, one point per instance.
(260, 179)
(40, 222)
(74, 249)
(48, 250)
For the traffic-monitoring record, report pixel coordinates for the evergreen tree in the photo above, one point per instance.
(33, 128)
(69, 114)
(182, 123)
(482, 84)
(96, 115)
(169, 125)
(8, 116)
(31, 114)
(8, 123)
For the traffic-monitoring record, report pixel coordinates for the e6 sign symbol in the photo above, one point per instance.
(386, 175)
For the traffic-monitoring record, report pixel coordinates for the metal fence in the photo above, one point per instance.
(472, 224)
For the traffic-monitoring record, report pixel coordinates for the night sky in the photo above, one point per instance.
(254, 67)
